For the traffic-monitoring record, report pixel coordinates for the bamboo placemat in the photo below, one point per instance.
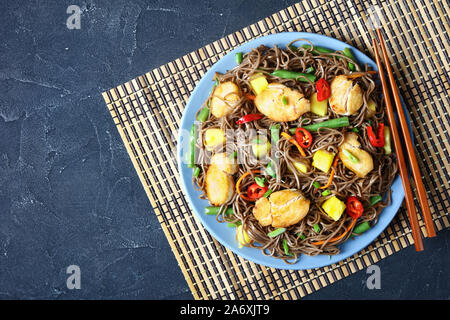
(148, 109)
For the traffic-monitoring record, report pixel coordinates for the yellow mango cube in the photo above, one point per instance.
(213, 137)
(300, 166)
(259, 83)
(318, 107)
(334, 208)
(242, 236)
(323, 160)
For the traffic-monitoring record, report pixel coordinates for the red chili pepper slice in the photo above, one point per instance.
(355, 208)
(303, 137)
(378, 140)
(249, 117)
(323, 89)
(255, 191)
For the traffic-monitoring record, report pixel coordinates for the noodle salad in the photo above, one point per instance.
(291, 149)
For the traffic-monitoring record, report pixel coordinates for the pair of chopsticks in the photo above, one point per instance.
(412, 215)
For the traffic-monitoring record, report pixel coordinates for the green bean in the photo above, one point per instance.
(318, 49)
(215, 211)
(333, 123)
(275, 133)
(349, 54)
(191, 151)
(288, 74)
(203, 114)
(234, 225)
(361, 228)
(238, 57)
(375, 199)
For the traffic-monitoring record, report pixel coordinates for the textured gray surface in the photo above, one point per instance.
(68, 191)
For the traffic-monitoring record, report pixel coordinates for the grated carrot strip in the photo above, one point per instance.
(238, 183)
(318, 243)
(293, 141)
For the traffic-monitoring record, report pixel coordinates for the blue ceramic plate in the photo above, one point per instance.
(226, 235)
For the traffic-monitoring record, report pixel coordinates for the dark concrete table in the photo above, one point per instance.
(68, 191)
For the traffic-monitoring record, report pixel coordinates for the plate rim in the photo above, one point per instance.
(271, 261)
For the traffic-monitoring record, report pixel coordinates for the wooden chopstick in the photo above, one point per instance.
(411, 208)
(422, 195)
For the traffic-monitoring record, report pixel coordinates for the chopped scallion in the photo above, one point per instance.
(260, 181)
(276, 232)
(268, 192)
(196, 171)
(349, 155)
(316, 228)
(285, 247)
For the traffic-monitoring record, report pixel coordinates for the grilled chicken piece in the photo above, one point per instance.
(346, 98)
(219, 180)
(282, 209)
(225, 97)
(364, 163)
(224, 162)
(270, 103)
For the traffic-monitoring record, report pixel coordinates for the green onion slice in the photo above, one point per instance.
(301, 236)
(316, 228)
(270, 171)
(276, 232)
(310, 70)
(349, 155)
(196, 171)
(275, 132)
(268, 192)
(234, 225)
(260, 181)
(285, 247)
